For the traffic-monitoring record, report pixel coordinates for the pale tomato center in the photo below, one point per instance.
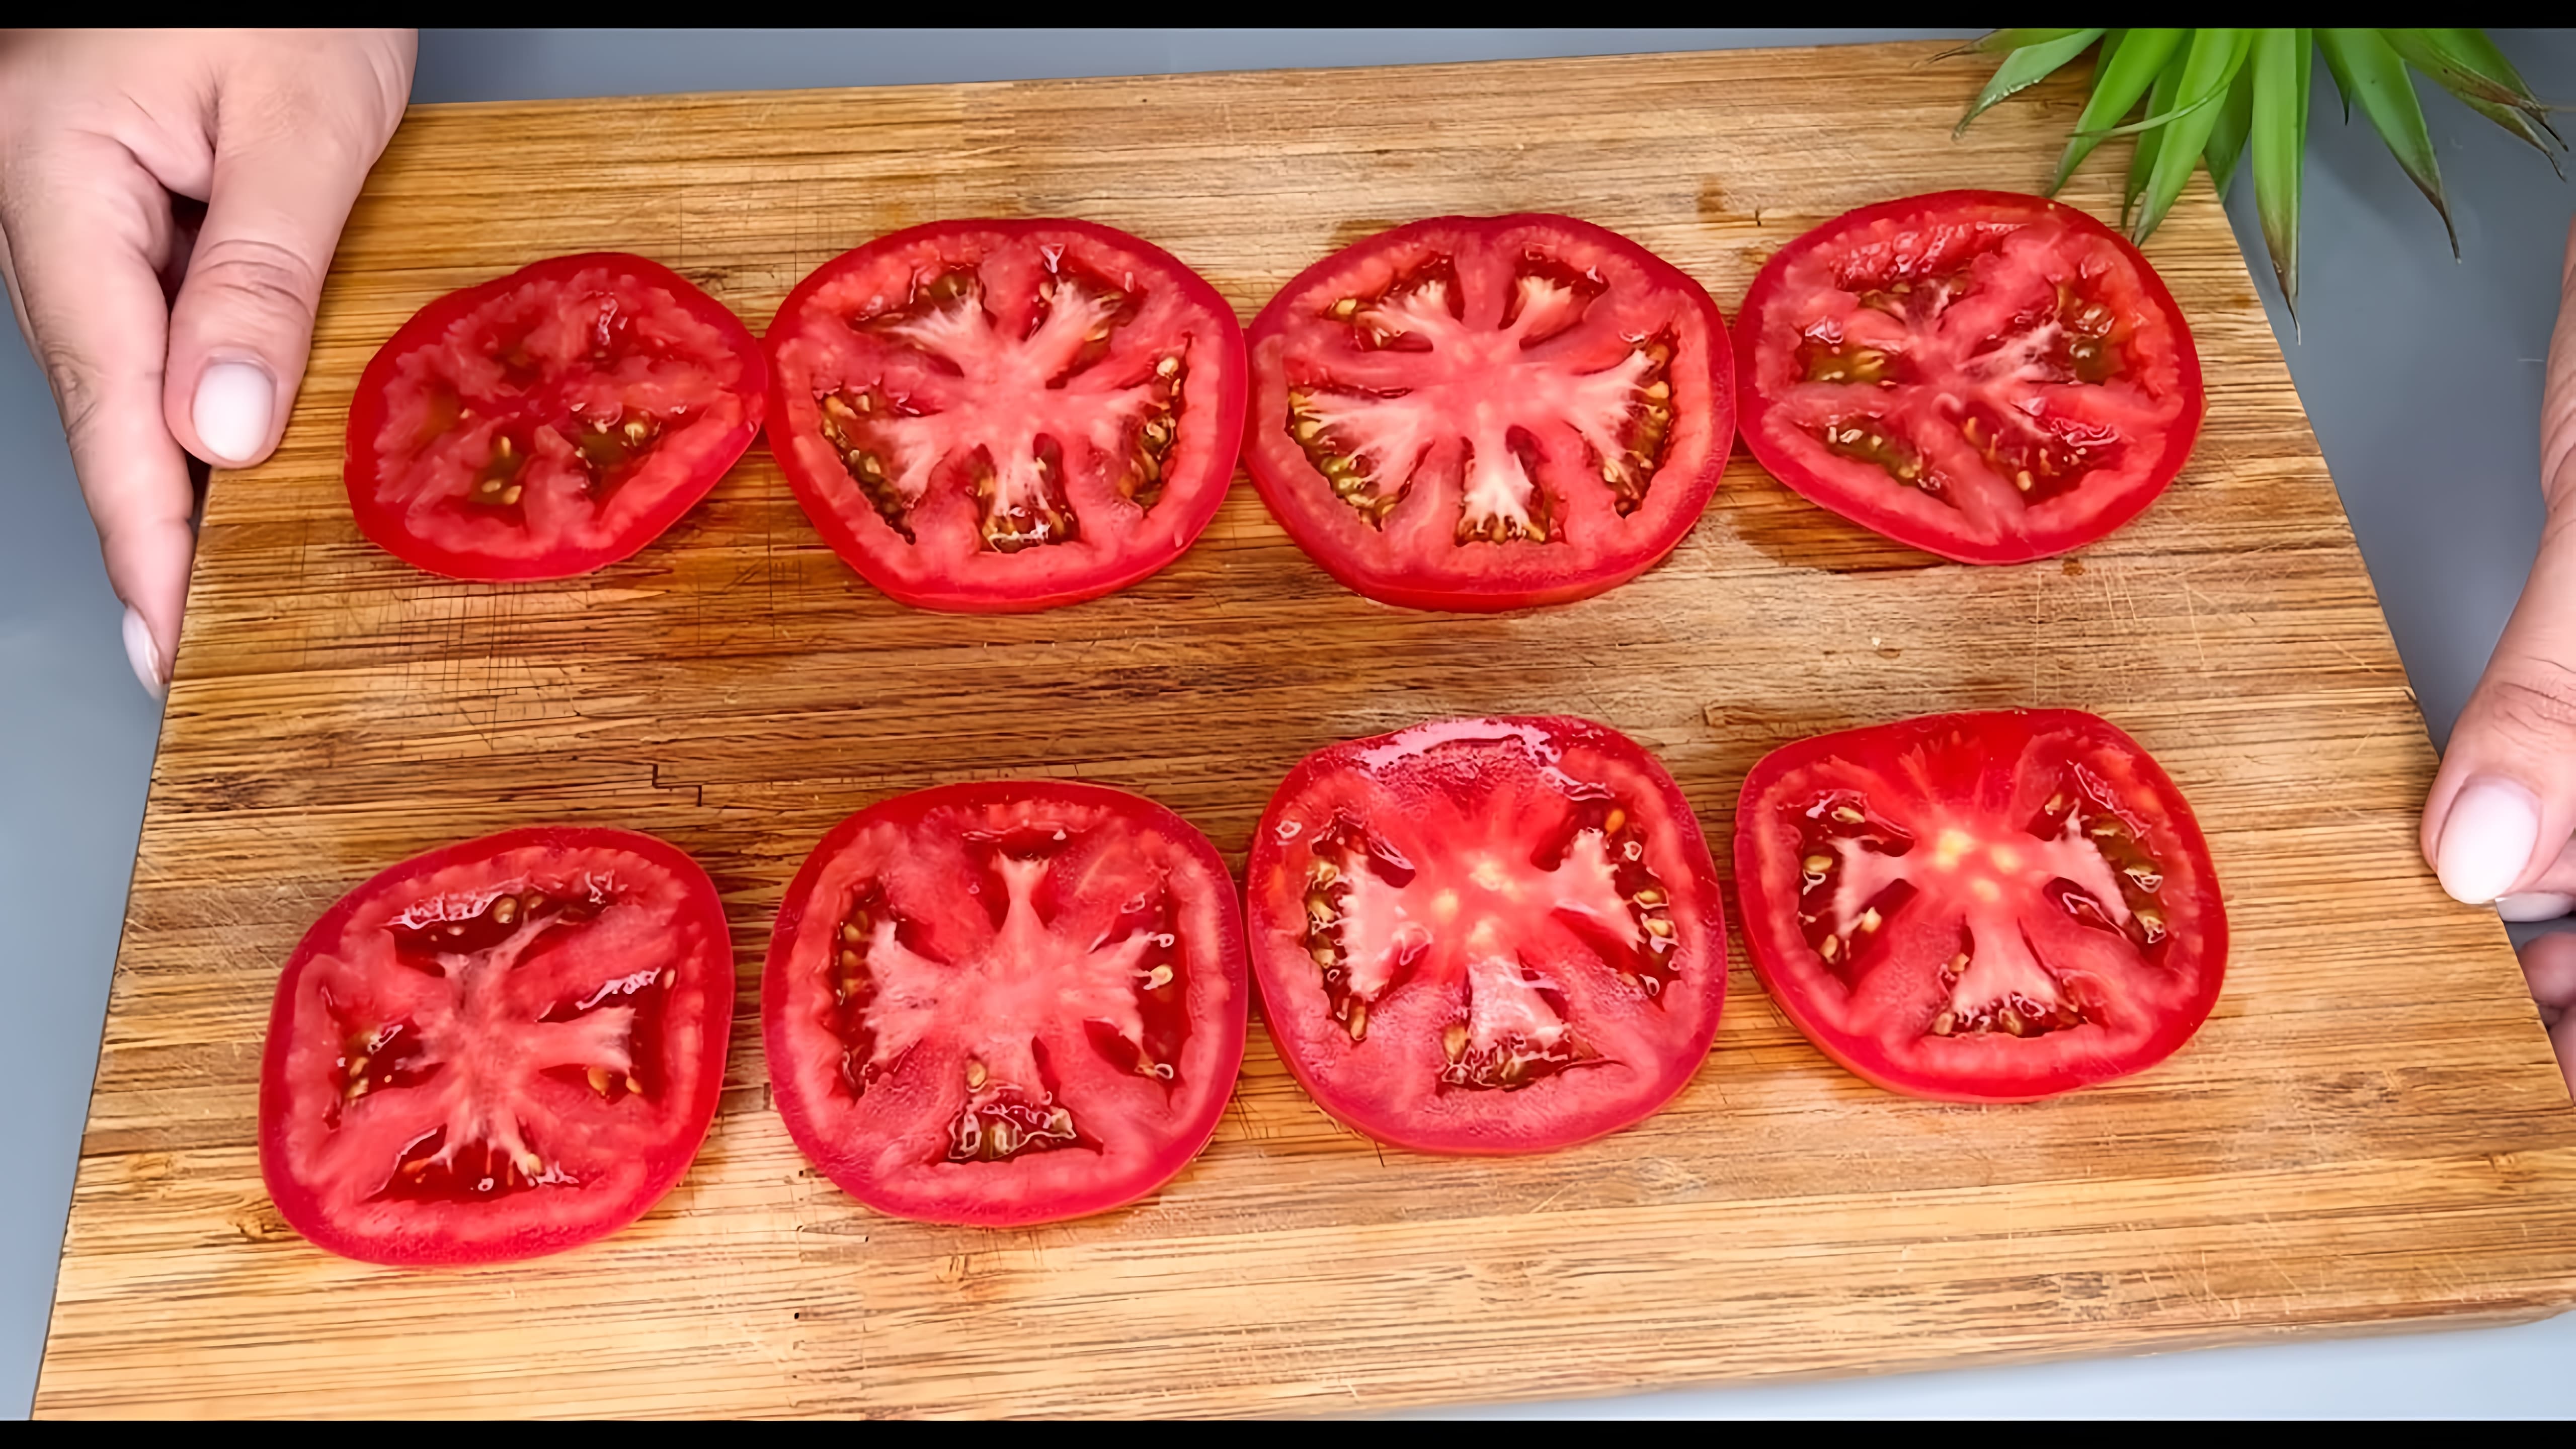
(1481, 402)
(2081, 857)
(501, 995)
(1007, 1004)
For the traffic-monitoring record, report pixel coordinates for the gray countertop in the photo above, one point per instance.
(2422, 377)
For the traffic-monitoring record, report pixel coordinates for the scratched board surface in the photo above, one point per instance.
(2369, 1132)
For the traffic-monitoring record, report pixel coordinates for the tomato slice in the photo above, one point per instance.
(498, 1049)
(1986, 376)
(552, 421)
(1481, 413)
(1006, 1002)
(1987, 907)
(1006, 415)
(1487, 935)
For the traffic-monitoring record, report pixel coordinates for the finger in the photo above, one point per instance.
(2549, 967)
(2503, 805)
(2562, 1037)
(87, 228)
(243, 324)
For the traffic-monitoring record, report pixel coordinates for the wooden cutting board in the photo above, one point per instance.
(2369, 1133)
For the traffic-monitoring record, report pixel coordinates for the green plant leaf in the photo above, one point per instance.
(2026, 67)
(2280, 65)
(2467, 64)
(2209, 68)
(2387, 96)
(2342, 77)
(1996, 42)
(2438, 54)
(2142, 162)
(2235, 116)
(2125, 72)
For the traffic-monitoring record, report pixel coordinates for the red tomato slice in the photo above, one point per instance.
(1980, 907)
(1006, 1003)
(1482, 413)
(1990, 377)
(552, 421)
(1487, 935)
(1006, 415)
(498, 1049)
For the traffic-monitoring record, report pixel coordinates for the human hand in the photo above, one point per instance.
(162, 339)
(2497, 824)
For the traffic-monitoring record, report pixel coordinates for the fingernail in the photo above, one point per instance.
(2535, 906)
(2487, 840)
(144, 655)
(231, 410)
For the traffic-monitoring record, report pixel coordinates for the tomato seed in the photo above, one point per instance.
(976, 1075)
(1357, 1021)
(1453, 1039)
(599, 1080)
(1817, 865)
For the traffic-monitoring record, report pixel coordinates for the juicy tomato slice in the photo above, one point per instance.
(552, 421)
(1487, 935)
(1480, 413)
(1986, 907)
(1006, 1002)
(1986, 376)
(498, 1049)
(1006, 415)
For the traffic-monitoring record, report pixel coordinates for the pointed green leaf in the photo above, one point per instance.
(1997, 42)
(2471, 48)
(2467, 64)
(2125, 73)
(2342, 77)
(2235, 116)
(2531, 129)
(2431, 51)
(2142, 163)
(2278, 145)
(2209, 69)
(2027, 67)
(2387, 96)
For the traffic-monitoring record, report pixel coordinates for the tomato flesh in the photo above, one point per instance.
(1986, 907)
(552, 421)
(1006, 1003)
(498, 1049)
(1480, 413)
(1487, 935)
(1007, 415)
(1989, 377)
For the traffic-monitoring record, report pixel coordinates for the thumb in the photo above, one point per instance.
(243, 322)
(2504, 803)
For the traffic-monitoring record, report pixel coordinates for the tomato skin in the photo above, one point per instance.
(924, 578)
(898, 849)
(721, 438)
(645, 1160)
(1420, 792)
(1984, 773)
(1767, 372)
(1361, 557)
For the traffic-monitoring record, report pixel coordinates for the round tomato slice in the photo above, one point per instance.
(552, 421)
(1481, 413)
(998, 416)
(1986, 376)
(1006, 1002)
(498, 1049)
(1984, 907)
(1487, 935)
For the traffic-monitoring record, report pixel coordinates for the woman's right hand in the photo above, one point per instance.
(162, 340)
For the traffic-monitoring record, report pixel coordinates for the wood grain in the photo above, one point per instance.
(2369, 1133)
